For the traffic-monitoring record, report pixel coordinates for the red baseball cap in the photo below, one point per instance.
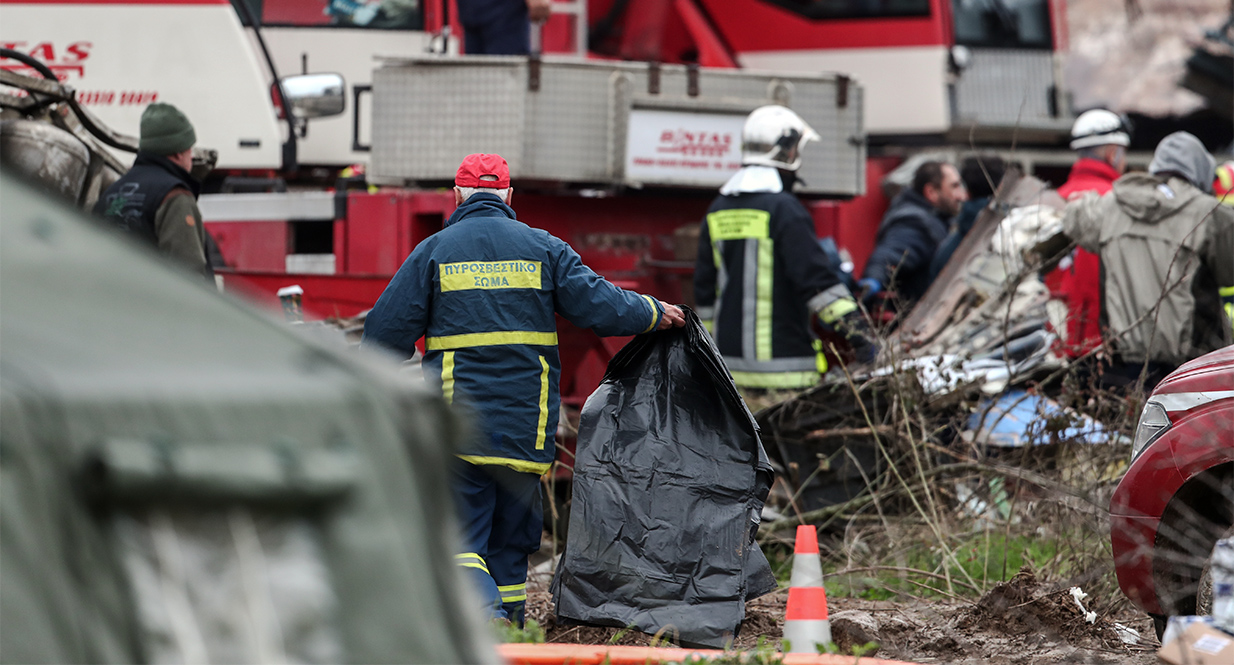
(474, 169)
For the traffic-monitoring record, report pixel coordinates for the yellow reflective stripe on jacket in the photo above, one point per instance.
(543, 422)
(471, 560)
(762, 302)
(655, 313)
(516, 464)
(470, 340)
(512, 593)
(775, 380)
(837, 310)
(447, 376)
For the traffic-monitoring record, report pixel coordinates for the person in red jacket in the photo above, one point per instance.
(1101, 138)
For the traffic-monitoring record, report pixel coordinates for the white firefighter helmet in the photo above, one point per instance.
(1100, 127)
(774, 136)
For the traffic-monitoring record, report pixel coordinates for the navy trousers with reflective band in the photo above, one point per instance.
(500, 511)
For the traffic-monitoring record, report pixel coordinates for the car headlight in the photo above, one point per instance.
(1153, 423)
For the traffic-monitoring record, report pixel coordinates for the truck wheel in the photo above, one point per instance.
(1159, 622)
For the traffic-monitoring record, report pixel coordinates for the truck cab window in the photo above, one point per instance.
(369, 14)
(1002, 23)
(837, 9)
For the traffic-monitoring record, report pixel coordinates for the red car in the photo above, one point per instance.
(1177, 498)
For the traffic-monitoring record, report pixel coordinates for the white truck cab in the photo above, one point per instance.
(121, 55)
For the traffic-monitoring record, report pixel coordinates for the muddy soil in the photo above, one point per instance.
(1017, 622)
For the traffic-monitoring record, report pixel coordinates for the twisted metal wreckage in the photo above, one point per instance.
(975, 347)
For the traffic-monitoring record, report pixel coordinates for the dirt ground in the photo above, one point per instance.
(1017, 622)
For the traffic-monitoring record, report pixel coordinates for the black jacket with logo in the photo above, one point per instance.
(760, 276)
(133, 201)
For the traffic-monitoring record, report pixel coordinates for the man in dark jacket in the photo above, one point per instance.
(156, 200)
(910, 233)
(761, 277)
(981, 175)
(483, 293)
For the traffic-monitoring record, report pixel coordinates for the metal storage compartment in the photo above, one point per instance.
(602, 124)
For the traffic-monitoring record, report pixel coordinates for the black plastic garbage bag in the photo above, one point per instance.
(669, 483)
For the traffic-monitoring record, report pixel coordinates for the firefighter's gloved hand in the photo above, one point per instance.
(856, 331)
(867, 288)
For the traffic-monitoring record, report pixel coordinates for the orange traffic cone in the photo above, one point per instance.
(806, 626)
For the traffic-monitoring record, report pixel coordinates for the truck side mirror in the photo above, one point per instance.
(315, 95)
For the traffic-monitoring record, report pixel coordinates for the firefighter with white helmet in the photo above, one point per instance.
(774, 136)
(762, 280)
(1101, 138)
(1100, 127)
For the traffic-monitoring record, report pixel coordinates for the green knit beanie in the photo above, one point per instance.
(165, 130)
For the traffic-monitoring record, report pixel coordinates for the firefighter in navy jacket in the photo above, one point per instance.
(483, 293)
(762, 280)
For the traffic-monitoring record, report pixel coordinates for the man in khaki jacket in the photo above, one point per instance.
(1166, 246)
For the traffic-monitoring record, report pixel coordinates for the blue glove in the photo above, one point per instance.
(867, 288)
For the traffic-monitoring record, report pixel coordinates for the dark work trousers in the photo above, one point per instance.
(495, 27)
(500, 511)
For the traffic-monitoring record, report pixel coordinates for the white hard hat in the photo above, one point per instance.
(774, 136)
(1100, 127)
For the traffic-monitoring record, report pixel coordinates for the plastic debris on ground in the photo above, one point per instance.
(1129, 635)
(1078, 594)
(1018, 418)
(669, 483)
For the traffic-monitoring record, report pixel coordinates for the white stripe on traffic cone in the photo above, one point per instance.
(806, 626)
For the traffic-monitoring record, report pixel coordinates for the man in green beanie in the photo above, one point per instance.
(157, 199)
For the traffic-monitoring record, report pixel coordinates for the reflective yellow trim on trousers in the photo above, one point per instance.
(543, 423)
(447, 376)
(471, 560)
(512, 593)
(837, 310)
(516, 464)
(470, 340)
(1226, 292)
(655, 313)
(775, 380)
(762, 302)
